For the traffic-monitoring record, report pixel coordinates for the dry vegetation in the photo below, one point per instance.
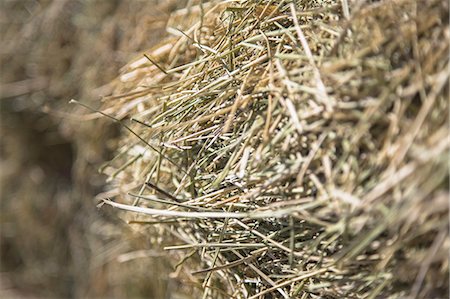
(291, 149)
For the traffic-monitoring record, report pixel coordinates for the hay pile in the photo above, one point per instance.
(299, 148)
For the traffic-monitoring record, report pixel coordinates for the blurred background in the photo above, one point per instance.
(54, 242)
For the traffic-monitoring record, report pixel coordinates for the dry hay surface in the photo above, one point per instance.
(299, 148)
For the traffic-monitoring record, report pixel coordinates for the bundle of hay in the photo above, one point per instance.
(300, 148)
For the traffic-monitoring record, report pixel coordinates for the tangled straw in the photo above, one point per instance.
(321, 125)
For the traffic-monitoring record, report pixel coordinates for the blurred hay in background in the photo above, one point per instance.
(54, 242)
(299, 149)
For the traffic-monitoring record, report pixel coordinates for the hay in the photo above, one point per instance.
(299, 148)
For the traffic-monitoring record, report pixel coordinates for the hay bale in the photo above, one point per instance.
(300, 149)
